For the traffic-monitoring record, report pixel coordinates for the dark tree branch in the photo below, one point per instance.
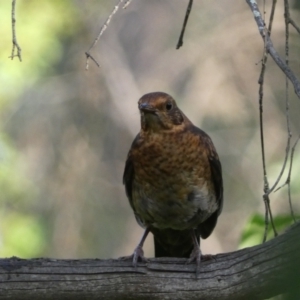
(187, 14)
(14, 36)
(270, 48)
(253, 273)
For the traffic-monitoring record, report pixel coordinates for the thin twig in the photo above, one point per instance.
(126, 4)
(290, 167)
(188, 10)
(287, 151)
(14, 36)
(288, 18)
(103, 28)
(288, 180)
(267, 205)
(262, 140)
(261, 83)
(272, 16)
(262, 143)
(266, 198)
(287, 22)
(268, 213)
(88, 55)
(270, 48)
(291, 21)
(287, 106)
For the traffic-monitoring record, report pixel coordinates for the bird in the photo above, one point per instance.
(173, 180)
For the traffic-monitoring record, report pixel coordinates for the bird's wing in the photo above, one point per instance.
(214, 163)
(128, 175)
(206, 228)
(216, 174)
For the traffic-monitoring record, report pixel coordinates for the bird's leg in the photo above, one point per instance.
(196, 253)
(138, 252)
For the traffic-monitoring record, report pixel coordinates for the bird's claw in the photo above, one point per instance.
(195, 257)
(137, 255)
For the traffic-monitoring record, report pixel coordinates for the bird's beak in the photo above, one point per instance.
(145, 107)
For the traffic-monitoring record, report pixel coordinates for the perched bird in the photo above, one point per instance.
(173, 180)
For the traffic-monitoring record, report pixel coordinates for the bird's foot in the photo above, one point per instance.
(137, 255)
(195, 257)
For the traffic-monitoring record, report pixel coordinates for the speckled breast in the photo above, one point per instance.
(172, 186)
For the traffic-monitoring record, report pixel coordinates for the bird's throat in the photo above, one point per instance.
(152, 122)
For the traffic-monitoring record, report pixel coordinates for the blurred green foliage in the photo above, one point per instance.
(39, 27)
(254, 229)
(26, 236)
(20, 230)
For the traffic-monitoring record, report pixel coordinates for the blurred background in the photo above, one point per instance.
(65, 132)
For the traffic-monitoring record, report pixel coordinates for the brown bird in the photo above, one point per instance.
(173, 180)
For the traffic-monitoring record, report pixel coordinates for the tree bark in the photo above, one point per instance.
(258, 272)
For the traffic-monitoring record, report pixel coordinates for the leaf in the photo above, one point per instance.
(254, 229)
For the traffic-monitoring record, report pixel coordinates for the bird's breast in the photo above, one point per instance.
(172, 186)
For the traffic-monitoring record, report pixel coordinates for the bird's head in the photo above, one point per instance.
(159, 111)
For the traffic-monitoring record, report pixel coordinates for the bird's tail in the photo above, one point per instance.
(172, 243)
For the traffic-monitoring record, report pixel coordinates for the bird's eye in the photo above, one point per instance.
(169, 106)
